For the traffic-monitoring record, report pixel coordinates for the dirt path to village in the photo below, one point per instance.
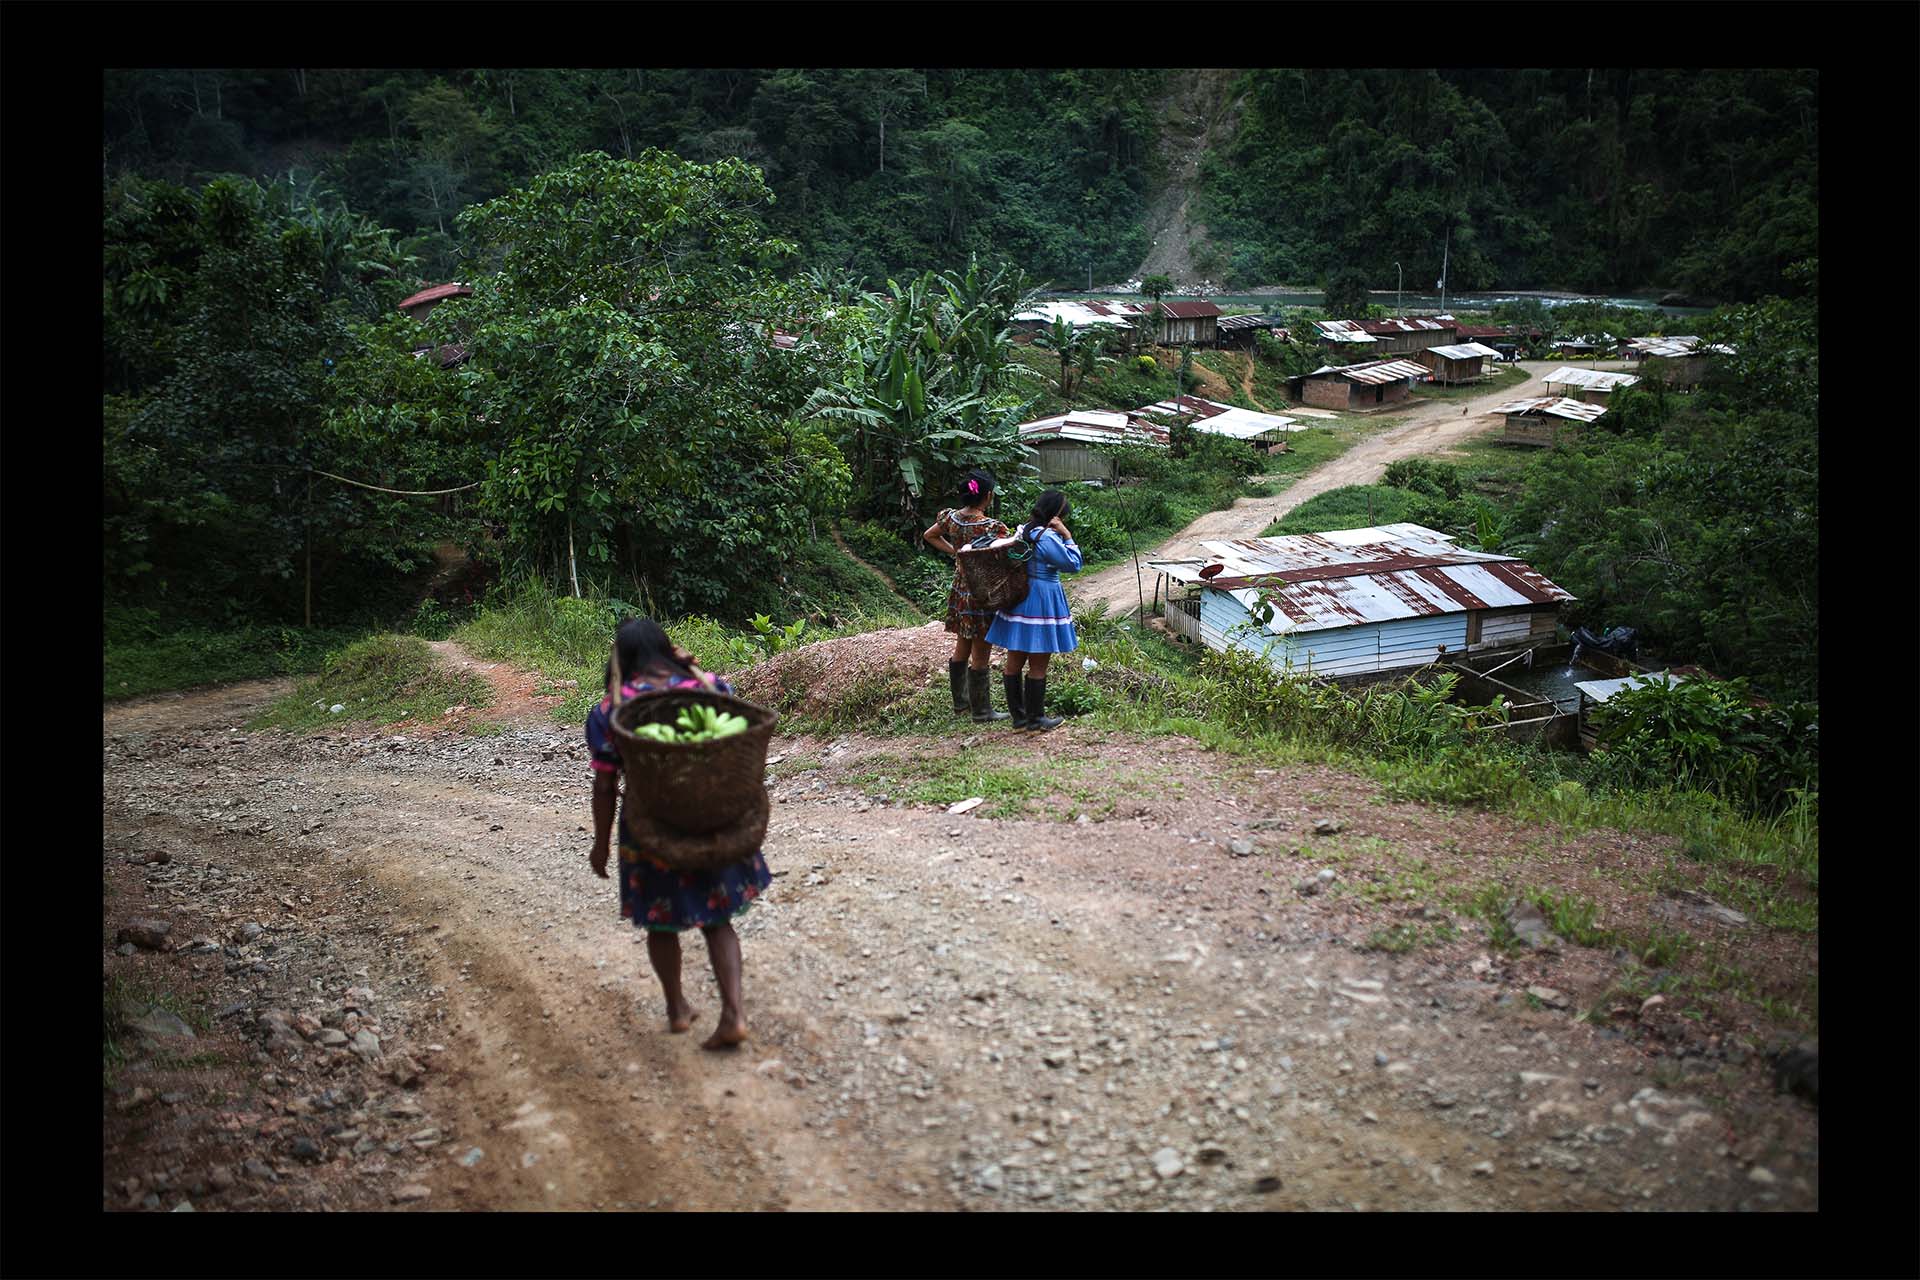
(427, 1000)
(1428, 429)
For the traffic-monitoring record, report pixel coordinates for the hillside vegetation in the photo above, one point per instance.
(1561, 178)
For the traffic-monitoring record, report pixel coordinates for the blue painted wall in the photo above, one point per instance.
(1404, 642)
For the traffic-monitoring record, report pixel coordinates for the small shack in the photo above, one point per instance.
(1358, 603)
(1240, 331)
(1679, 361)
(1356, 386)
(1184, 323)
(1544, 421)
(1216, 419)
(1405, 335)
(1462, 362)
(1074, 445)
(1595, 386)
(1116, 318)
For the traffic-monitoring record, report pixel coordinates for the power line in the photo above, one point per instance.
(407, 493)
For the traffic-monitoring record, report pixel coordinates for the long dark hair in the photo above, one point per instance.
(642, 644)
(1052, 503)
(976, 487)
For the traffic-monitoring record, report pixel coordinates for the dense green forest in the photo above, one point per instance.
(1703, 180)
(1586, 179)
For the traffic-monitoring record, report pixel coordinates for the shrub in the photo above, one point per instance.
(1425, 476)
(1709, 735)
(1145, 364)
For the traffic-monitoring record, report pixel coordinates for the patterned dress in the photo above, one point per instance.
(963, 619)
(651, 896)
(1041, 623)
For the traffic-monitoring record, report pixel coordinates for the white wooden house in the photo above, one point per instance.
(1358, 603)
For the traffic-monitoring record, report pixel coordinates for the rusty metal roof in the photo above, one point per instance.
(1592, 379)
(1463, 351)
(435, 293)
(1554, 406)
(1189, 310)
(1351, 577)
(1374, 371)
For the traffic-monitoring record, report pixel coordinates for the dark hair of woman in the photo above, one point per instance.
(1052, 505)
(975, 486)
(644, 645)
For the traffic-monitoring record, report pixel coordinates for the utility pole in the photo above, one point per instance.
(1399, 289)
(308, 530)
(1443, 268)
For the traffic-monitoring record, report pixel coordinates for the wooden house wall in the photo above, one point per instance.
(1338, 651)
(1537, 429)
(1071, 460)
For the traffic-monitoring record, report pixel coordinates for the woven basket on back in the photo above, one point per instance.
(695, 802)
(995, 579)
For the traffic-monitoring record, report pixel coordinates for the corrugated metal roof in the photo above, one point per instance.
(1083, 314)
(1680, 344)
(1554, 406)
(434, 293)
(1464, 351)
(1349, 577)
(1407, 324)
(1189, 310)
(1250, 321)
(1374, 371)
(1592, 379)
(1095, 426)
(1229, 420)
(1341, 331)
(1601, 690)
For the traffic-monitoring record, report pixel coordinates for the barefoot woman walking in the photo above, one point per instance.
(660, 901)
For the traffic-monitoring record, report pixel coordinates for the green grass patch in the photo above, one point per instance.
(1009, 779)
(143, 656)
(1504, 375)
(1354, 506)
(382, 678)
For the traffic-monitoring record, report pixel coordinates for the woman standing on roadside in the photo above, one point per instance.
(1042, 624)
(967, 669)
(660, 901)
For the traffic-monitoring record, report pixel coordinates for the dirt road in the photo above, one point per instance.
(1428, 429)
(1131, 1008)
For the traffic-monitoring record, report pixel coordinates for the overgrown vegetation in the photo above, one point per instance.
(382, 678)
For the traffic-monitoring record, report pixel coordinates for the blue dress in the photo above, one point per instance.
(1041, 623)
(652, 896)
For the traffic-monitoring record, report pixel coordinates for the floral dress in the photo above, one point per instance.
(651, 896)
(963, 619)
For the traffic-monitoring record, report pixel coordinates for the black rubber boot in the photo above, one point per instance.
(1015, 702)
(957, 677)
(980, 697)
(1034, 700)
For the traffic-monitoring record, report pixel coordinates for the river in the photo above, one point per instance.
(1428, 302)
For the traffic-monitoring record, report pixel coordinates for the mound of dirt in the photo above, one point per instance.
(882, 665)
